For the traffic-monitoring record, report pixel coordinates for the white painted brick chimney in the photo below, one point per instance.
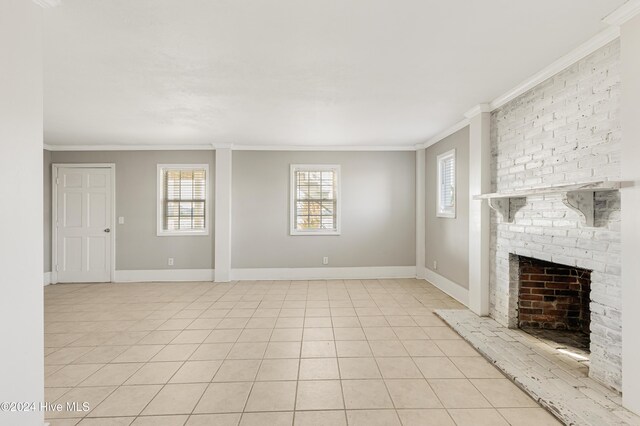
(565, 130)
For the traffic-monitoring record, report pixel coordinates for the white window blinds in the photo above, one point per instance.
(314, 200)
(183, 203)
(447, 184)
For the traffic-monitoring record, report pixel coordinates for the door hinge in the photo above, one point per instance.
(57, 181)
(57, 268)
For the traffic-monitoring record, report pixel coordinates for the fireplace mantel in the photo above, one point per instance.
(579, 197)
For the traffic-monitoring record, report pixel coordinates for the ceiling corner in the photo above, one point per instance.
(623, 13)
(480, 108)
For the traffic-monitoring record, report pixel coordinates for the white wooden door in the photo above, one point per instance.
(84, 222)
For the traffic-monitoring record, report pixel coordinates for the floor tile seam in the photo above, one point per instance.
(251, 389)
(116, 389)
(381, 376)
(92, 409)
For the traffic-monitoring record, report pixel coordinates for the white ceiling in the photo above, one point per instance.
(292, 72)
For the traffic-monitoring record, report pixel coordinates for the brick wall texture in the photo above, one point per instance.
(565, 130)
(553, 296)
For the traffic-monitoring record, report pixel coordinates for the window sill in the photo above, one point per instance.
(183, 234)
(313, 233)
(446, 215)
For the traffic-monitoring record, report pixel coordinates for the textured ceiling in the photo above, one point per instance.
(292, 72)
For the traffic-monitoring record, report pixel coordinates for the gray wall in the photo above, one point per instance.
(378, 211)
(137, 246)
(447, 239)
(46, 165)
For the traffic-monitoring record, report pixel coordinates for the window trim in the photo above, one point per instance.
(160, 231)
(441, 211)
(292, 199)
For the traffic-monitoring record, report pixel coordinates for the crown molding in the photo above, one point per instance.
(623, 13)
(47, 4)
(478, 109)
(448, 132)
(599, 40)
(50, 147)
(222, 146)
(323, 148)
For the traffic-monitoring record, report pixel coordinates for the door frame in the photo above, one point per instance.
(54, 213)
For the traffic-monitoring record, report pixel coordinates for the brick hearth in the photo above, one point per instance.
(550, 375)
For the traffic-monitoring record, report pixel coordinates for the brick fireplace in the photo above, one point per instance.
(553, 296)
(565, 130)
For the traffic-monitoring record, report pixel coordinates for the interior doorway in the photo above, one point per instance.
(83, 231)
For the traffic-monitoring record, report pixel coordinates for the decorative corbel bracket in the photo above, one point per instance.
(582, 202)
(505, 210)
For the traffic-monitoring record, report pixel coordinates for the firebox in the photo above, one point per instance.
(552, 296)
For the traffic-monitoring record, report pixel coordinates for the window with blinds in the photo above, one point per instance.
(315, 202)
(447, 184)
(182, 199)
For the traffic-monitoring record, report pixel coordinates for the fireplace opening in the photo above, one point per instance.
(553, 302)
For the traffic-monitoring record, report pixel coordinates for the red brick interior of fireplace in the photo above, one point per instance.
(553, 296)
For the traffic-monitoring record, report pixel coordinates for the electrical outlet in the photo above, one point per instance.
(170, 261)
(325, 260)
(435, 265)
(121, 220)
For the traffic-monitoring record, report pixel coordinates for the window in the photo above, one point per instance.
(183, 202)
(315, 199)
(447, 184)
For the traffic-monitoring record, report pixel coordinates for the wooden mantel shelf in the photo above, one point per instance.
(578, 197)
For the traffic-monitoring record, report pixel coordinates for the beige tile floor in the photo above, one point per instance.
(303, 353)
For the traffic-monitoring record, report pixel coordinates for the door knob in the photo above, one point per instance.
(107, 230)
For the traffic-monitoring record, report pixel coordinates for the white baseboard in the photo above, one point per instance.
(261, 274)
(165, 275)
(420, 271)
(364, 272)
(454, 290)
